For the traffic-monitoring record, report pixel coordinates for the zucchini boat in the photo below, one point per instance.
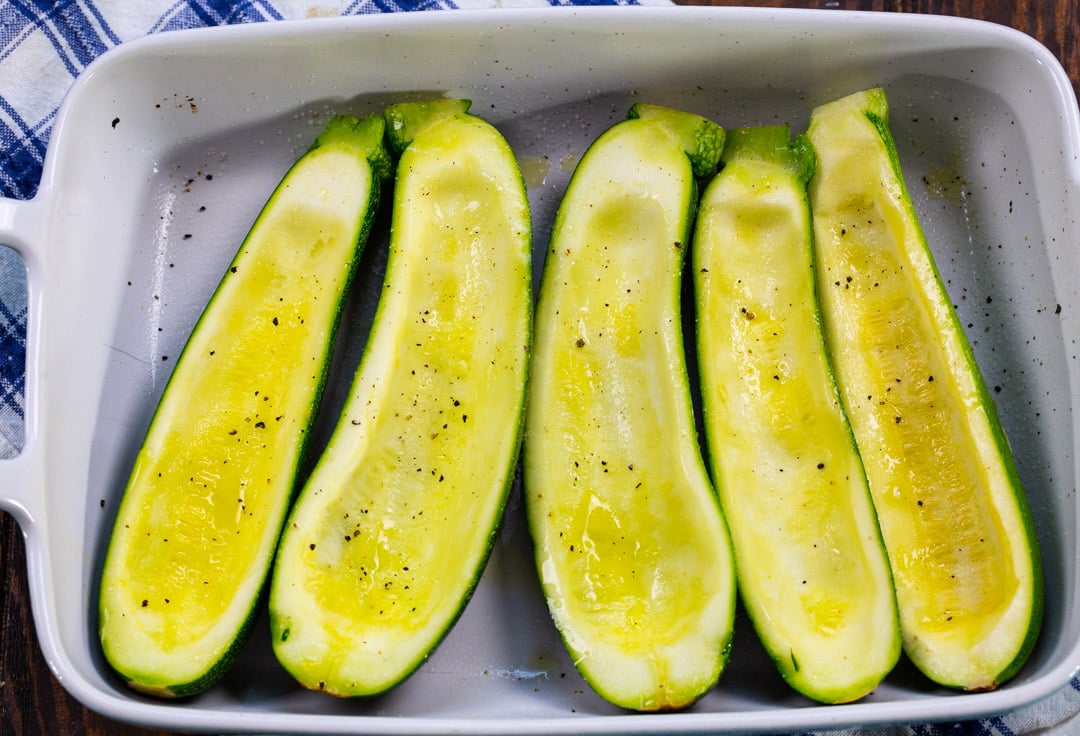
(952, 511)
(195, 533)
(392, 530)
(812, 572)
(632, 550)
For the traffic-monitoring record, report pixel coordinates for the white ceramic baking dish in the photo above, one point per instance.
(166, 148)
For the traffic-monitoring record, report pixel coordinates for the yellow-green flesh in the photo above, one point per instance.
(950, 506)
(391, 531)
(632, 551)
(202, 511)
(812, 570)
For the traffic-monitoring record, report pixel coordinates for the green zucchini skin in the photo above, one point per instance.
(202, 510)
(632, 551)
(812, 571)
(952, 510)
(392, 530)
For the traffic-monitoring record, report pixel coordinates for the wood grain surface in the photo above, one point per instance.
(33, 702)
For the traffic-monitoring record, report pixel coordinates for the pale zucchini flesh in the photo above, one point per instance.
(952, 511)
(812, 571)
(632, 550)
(391, 532)
(200, 516)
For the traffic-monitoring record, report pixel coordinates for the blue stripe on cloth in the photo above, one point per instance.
(202, 13)
(12, 357)
(362, 7)
(22, 152)
(594, 2)
(15, 26)
(999, 725)
(989, 727)
(77, 36)
(12, 352)
(92, 9)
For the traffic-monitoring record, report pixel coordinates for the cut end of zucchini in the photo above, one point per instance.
(406, 119)
(699, 137)
(772, 144)
(364, 135)
(953, 514)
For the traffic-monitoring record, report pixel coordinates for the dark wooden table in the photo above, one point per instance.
(33, 702)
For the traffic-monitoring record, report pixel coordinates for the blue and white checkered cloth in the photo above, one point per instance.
(45, 45)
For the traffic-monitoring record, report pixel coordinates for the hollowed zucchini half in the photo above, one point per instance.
(200, 517)
(813, 574)
(631, 547)
(391, 532)
(953, 514)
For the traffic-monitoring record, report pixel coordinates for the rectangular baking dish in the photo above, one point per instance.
(166, 148)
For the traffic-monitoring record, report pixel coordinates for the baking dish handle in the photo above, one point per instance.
(22, 228)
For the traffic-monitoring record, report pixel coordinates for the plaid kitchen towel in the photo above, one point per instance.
(44, 46)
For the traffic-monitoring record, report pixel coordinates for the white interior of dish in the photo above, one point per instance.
(167, 150)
